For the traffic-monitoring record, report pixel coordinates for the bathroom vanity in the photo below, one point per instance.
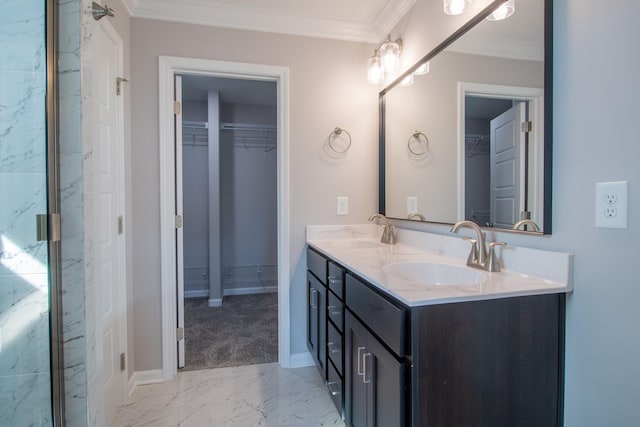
(407, 335)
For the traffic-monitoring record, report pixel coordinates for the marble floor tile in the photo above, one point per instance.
(256, 395)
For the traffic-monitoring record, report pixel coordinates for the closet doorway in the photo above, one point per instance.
(226, 196)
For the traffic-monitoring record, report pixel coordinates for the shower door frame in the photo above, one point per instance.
(53, 208)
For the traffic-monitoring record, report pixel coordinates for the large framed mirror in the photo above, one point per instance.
(471, 138)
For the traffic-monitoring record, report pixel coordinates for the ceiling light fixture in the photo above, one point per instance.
(504, 11)
(455, 7)
(386, 57)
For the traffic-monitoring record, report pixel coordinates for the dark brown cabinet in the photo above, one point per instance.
(497, 362)
(317, 310)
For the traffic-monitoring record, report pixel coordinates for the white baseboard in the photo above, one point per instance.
(215, 302)
(250, 290)
(199, 293)
(152, 376)
(301, 360)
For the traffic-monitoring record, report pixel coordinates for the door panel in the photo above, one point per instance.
(110, 253)
(507, 148)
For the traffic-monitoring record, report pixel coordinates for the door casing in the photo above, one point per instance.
(168, 67)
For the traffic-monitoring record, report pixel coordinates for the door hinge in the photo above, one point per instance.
(119, 81)
(177, 107)
(48, 227)
(180, 334)
(123, 362)
(178, 221)
(527, 126)
(120, 225)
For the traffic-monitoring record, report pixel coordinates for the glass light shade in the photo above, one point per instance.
(422, 69)
(454, 7)
(503, 12)
(390, 55)
(375, 73)
(407, 81)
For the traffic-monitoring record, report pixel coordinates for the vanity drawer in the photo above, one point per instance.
(336, 279)
(335, 310)
(334, 384)
(386, 320)
(317, 264)
(334, 346)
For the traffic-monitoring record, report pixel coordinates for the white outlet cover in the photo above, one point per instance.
(342, 205)
(611, 204)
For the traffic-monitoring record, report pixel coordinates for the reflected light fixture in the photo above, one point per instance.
(407, 81)
(422, 69)
(386, 57)
(455, 7)
(504, 11)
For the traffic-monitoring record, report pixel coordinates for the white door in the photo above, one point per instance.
(110, 288)
(179, 216)
(507, 178)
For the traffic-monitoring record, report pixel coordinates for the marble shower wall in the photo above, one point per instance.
(24, 324)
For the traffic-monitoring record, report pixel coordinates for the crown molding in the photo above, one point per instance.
(389, 17)
(258, 19)
(500, 48)
(130, 5)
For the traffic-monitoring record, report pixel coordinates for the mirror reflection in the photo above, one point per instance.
(466, 140)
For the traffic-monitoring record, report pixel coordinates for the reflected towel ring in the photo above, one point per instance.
(421, 139)
(337, 132)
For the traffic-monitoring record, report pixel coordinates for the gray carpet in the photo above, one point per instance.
(244, 331)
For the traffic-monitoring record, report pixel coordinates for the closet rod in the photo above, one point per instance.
(247, 127)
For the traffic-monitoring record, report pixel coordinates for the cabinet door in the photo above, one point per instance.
(375, 380)
(317, 322)
(355, 388)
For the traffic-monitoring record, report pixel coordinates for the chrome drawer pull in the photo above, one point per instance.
(364, 374)
(313, 302)
(360, 371)
(333, 311)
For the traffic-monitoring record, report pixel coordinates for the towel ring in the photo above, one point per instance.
(422, 139)
(337, 132)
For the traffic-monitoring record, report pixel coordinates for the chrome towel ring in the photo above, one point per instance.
(420, 140)
(336, 133)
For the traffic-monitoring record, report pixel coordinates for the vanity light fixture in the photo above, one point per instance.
(503, 12)
(455, 7)
(386, 57)
(375, 72)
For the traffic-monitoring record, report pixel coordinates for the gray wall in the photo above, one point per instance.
(595, 139)
(328, 88)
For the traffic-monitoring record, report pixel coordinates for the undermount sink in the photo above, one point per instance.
(428, 273)
(354, 244)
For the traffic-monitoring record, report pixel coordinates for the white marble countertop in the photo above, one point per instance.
(357, 247)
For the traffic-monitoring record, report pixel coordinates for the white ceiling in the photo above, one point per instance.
(354, 20)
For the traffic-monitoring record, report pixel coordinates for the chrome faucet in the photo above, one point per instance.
(520, 223)
(417, 216)
(388, 231)
(479, 257)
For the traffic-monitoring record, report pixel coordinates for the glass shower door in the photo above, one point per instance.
(25, 371)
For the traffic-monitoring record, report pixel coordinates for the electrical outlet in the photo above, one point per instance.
(342, 207)
(412, 205)
(611, 204)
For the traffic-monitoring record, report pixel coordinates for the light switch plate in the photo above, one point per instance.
(342, 205)
(412, 205)
(611, 204)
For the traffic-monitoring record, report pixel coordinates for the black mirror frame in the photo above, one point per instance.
(548, 107)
